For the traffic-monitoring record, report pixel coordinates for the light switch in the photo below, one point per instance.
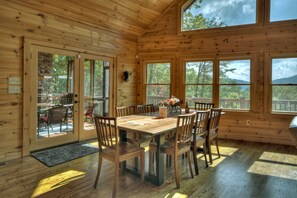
(14, 80)
(14, 89)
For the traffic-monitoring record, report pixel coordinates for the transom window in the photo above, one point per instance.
(283, 10)
(205, 14)
(284, 84)
(158, 82)
(199, 81)
(235, 84)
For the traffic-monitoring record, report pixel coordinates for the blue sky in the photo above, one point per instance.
(283, 10)
(284, 68)
(242, 69)
(238, 12)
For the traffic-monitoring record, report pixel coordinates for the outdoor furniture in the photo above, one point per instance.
(114, 150)
(55, 115)
(89, 112)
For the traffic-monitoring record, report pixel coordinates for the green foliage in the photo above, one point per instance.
(198, 21)
(158, 78)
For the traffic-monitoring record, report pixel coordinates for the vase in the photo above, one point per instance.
(163, 112)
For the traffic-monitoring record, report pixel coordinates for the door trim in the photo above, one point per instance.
(27, 76)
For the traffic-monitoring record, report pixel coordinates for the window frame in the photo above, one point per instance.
(268, 80)
(184, 3)
(226, 84)
(145, 76)
(185, 61)
(253, 57)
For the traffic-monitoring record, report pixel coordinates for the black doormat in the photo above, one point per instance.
(58, 155)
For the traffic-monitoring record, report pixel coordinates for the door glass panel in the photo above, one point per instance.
(96, 88)
(54, 95)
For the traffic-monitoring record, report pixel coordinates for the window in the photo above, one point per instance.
(158, 82)
(234, 84)
(199, 80)
(283, 10)
(205, 14)
(284, 84)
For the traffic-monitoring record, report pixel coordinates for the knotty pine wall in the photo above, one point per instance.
(163, 41)
(17, 22)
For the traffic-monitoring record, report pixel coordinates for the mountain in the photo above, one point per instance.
(290, 80)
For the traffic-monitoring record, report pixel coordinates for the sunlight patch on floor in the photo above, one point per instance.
(276, 164)
(92, 144)
(56, 181)
(224, 151)
(177, 195)
(279, 157)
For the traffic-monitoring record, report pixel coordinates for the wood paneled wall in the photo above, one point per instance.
(163, 39)
(18, 21)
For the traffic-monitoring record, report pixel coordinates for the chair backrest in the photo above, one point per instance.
(57, 114)
(140, 109)
(148, 108)
(215, 115)
(90, 110)
(184, 127)
(203, 106)
(107, 131)
(67, 99)
(201, 124)
(121, 111)
(125, 111)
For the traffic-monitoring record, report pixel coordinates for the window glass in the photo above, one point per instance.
(235, 84)
(283, 10)
(205, 14)
(199, 80)
(284, 84)
(158, 82)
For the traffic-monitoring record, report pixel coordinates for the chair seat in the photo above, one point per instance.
(212, 135)
(168, 146)
(126, 150)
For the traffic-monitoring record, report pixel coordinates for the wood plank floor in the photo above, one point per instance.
(245, 169)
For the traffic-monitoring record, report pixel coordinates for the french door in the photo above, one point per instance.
(94, 92)
(67, 89)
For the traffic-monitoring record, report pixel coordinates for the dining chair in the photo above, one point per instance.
(179, 143)
(213, 128)
(140, 109)
(199, 136)
(148, 108)
(114, 150)
(203, 106)
(125, 111)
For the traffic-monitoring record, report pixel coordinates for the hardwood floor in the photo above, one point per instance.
(245, 169)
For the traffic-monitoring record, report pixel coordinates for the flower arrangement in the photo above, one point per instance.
(172, 102)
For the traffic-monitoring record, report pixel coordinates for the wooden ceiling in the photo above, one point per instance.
(129, 18)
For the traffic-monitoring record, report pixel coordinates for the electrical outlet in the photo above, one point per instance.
(248, 122)
(14, 89)
(14, 80)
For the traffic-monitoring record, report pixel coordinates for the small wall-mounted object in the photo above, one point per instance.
(14, 80)
(14, 85)
(127, 74)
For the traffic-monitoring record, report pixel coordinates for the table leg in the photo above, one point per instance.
(159, 160)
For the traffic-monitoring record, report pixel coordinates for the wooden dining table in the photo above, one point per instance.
(150, 124)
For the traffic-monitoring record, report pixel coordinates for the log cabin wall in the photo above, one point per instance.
(163, 41)
(18, 20)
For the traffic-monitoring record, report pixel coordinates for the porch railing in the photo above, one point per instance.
(242, 103)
